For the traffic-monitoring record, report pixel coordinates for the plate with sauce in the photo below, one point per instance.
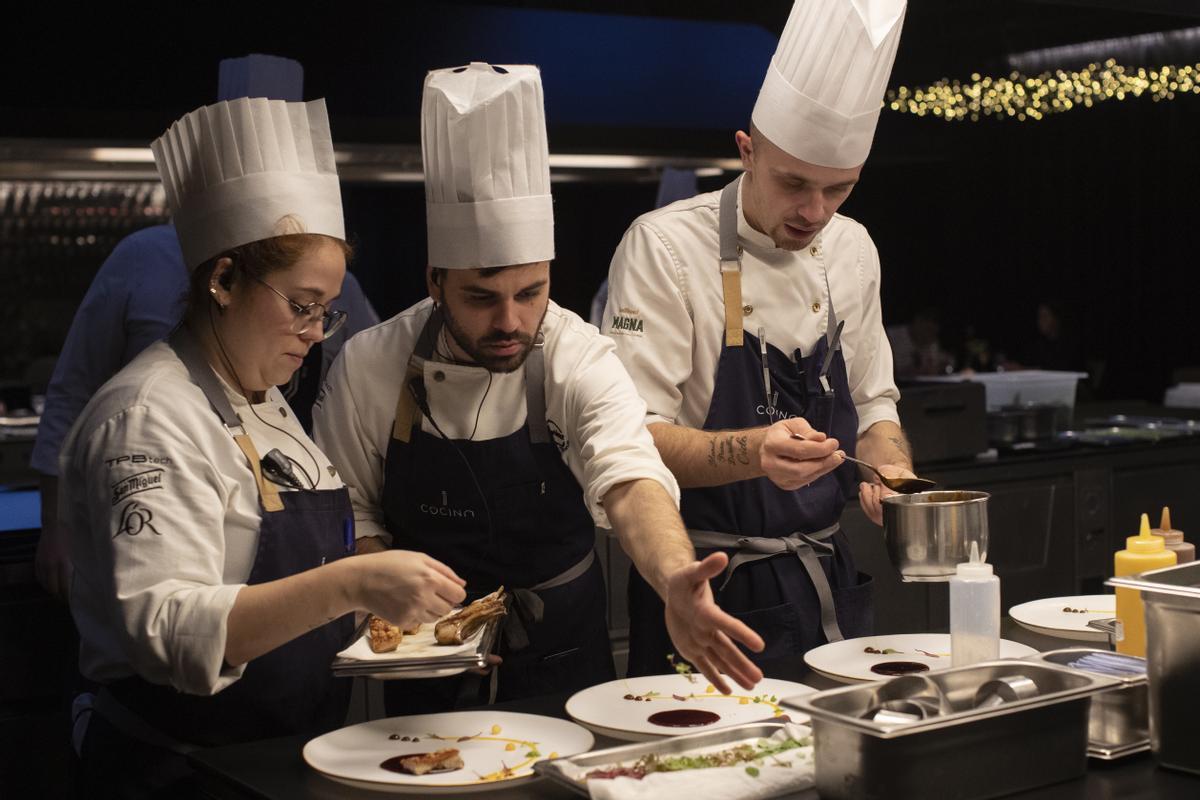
(498, 749)
(873, 658)
(656, 706)
(1067, 617)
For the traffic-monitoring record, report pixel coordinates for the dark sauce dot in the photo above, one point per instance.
(683, 718)
(899, 668)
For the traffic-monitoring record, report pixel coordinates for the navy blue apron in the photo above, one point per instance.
(791, 576)
(502, 512)
(288, 691)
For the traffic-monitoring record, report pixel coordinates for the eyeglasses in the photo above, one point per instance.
(309, 315)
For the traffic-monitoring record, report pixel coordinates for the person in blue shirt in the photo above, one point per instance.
(136, 299)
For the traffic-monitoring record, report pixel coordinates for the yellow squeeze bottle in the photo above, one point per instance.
(1142, 552)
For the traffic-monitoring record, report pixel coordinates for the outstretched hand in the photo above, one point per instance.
(702, 633)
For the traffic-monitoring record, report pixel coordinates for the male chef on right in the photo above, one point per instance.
(749, 319)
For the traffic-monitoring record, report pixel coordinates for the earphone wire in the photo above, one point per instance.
(423, 404)
(229, 363)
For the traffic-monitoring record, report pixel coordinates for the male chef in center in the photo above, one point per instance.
(749, 320)
(493, 429)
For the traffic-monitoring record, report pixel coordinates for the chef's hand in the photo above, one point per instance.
(702, 633)
(52, 562)
(871, 494)
(791, 463)
(406, 587)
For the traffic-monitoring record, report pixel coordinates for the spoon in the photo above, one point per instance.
(901, 485)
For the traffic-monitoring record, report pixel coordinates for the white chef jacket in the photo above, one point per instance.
(163, 513)
(592, 406)
(666, 314)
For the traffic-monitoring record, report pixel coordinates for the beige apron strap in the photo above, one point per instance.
(189, 353)
(731, 290)
(408, 414)
(268, 492)
(731, 265)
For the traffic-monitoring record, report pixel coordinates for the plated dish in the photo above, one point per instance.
(1067, 617)
(873, 658)
(656, 706)
(495, 748)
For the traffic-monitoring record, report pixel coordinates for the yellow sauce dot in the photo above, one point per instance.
(710, 689)
(742, 701)
(554, 754)
(495, 729)
(510, 746)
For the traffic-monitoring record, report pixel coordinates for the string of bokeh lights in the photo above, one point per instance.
(1034, 98)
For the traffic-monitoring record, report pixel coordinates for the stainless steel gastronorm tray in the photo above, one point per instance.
(1172, 598)
(671, 746)
(1118, 723)
(966, 754)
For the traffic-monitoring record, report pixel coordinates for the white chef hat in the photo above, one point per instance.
(824, 88)
(248, 169)
(487, 167)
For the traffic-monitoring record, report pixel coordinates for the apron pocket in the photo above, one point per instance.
(855, 607)
(780, 628)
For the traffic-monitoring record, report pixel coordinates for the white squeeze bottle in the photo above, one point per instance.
(974, 612)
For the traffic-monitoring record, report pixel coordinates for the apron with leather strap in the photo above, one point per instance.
(287, 691)
(791, 576)
(505, 511)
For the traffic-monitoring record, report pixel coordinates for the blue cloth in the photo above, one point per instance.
(137, 298)
(257, 75)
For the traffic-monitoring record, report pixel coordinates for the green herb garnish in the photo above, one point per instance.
(682, 667)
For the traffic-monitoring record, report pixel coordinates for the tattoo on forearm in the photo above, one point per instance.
(728, 450)
(901, 445)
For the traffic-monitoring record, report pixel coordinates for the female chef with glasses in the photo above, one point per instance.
(212, 539)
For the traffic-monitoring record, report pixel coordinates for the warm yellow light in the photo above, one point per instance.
(1037, 97)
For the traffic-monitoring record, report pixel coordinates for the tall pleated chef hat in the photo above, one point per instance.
(248, 169)
(824, 88)
(487, 167)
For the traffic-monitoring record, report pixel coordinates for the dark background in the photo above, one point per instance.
(1095, 208)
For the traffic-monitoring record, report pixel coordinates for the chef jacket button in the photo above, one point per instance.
(814, 250)
(816, 306)
(747, 309)
(282, 411)
(439, 376)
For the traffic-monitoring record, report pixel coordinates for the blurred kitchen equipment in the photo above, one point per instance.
(1119, 721)
(971, 751)
(930, 533)
(944, 421)
(902, 485)
(1172, 600)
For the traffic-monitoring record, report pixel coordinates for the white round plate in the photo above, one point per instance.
(847, 661)
(607, 710)
(1048, 617)
(353, 755)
